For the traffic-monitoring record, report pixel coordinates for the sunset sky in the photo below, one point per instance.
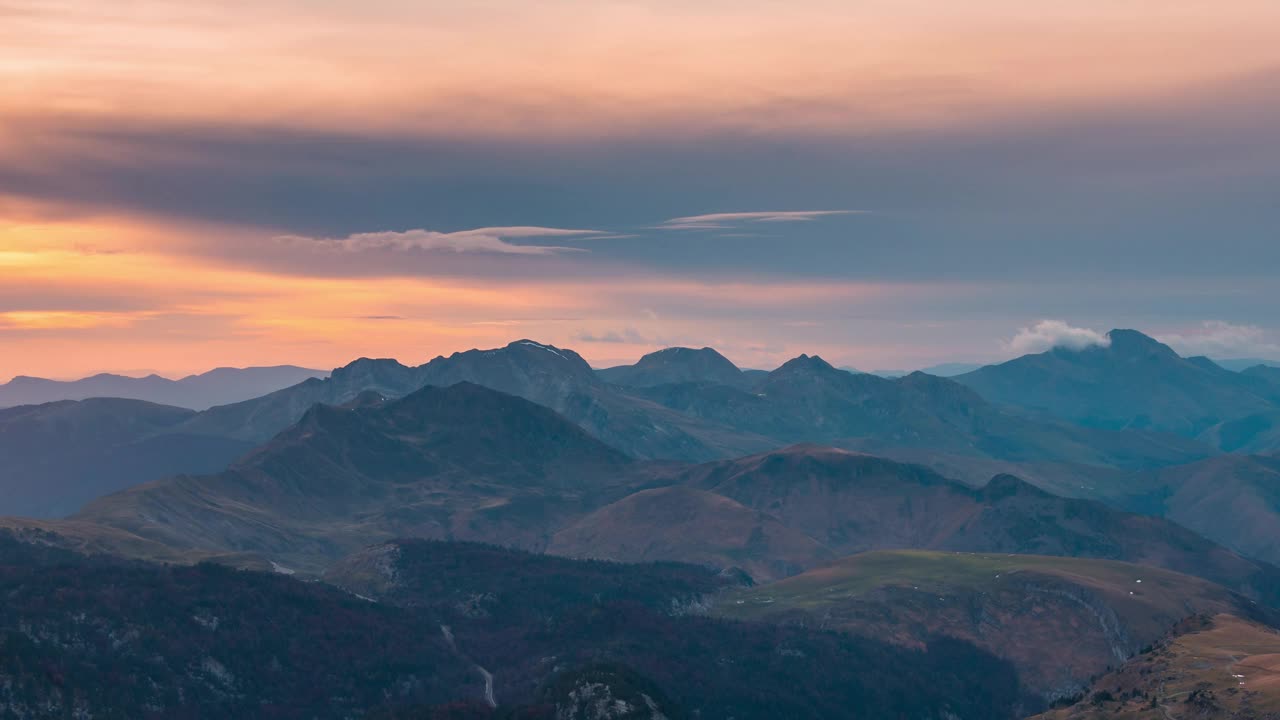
(887, 183)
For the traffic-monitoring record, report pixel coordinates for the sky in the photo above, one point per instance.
(887, 183)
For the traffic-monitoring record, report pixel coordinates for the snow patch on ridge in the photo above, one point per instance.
(551, 350)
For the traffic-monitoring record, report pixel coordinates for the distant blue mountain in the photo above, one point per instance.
(940, 370)
(1239, 364)
(196, 392)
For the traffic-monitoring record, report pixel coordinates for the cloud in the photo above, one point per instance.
(629, 336)
(66, 320)
(1225, 340)
(721, 221)
(479, 240)
(1049, 334)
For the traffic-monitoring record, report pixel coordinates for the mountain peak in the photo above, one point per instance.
(806, 363)
(463, 425)
(676, 365)
(532, 345)
(699, 364)
(371, 374)
(1132, 382)
(1004, 486)
(364, 363)
(939, 388)
(685, 352)
(509, 368)
(551, 353)
(1128, 342)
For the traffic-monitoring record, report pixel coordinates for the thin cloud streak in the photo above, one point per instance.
(718, 221)
(480, 240)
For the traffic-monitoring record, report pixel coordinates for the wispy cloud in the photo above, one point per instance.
(66, 320)
(1222, 339)
(628, 335)
(721, 221)
(479, 240)
(674, 225)
(1049, 334)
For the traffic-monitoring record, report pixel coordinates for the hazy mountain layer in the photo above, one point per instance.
(463, 462)
(56, 457)
(1131, 382)
(853, 503)
(1234, 499)
(808, 400)
(466, 462)
(196, 392)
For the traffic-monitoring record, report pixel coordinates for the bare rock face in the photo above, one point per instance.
(608, 692)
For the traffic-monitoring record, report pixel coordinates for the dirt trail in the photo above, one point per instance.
(489, 697)
(488, 687)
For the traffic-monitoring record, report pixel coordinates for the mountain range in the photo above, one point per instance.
(557, 378)
(685, 404)
(469, 463)
(808, 400)
(693, 415)
(679, 537)
(195, 392)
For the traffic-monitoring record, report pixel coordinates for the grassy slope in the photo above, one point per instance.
(1061, 621)
(945, 571)
(1228, 669)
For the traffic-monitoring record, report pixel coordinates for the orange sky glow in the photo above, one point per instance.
(87, 288)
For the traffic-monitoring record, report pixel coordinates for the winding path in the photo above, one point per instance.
(488, 687)
(489, 697)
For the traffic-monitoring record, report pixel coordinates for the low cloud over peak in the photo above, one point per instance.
(1049, 334)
